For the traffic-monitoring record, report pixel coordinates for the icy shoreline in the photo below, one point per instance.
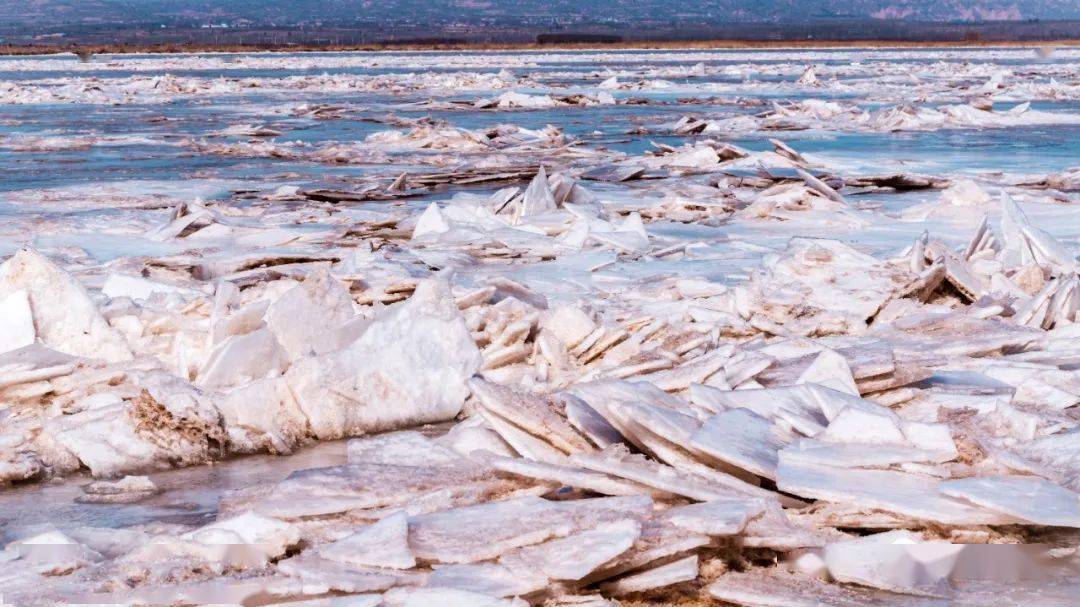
(657, 350)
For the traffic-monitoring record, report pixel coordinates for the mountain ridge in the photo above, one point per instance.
(554, 12)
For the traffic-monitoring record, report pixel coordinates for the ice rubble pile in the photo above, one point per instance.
(514, 99)
(933, 82)
(595, 454)
(167, 87)
(926, 79)
(86, 399)
(833, 115)
(426, 143)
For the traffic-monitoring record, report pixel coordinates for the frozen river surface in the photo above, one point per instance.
(767, 302)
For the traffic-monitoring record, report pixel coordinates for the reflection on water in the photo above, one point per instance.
(189, 495)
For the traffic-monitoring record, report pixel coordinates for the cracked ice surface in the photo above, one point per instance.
(559, 329)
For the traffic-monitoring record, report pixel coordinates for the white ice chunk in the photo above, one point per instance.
(716, 517)
(570, 476)
(407, 448)
(930, 436)
(818, 286)
(537, 198)
(902, 493)
(682, 570)
(50, 551)
(569, 323)
(65, 317)
(16, 321)
(409, 367)
(1059, 452)
(240, 359)
(741, 438)
(858, 455)
(831, 370)
(431, 221)
(576, 556)
(382, 544)
(486, 531)
(488, 578)
(245, 536)
(307, 317)
(898, 561)
(262, 415)
(1029, 498)
(859, 426)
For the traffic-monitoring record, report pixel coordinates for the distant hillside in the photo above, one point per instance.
(46, 13)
